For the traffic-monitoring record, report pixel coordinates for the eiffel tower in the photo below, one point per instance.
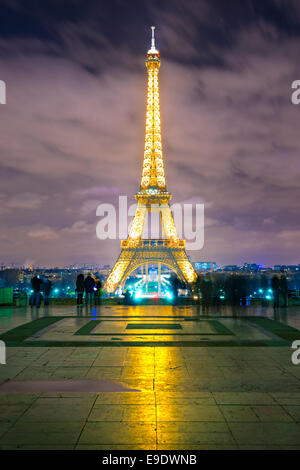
(152, 196)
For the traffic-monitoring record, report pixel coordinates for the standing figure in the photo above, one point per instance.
(275, 283)
(127, 297)
(206, 289)
(47, 286)
(80, 289)
(89, 285)
(283, 290)
(35, 298)
(98, 291)
(175, 285)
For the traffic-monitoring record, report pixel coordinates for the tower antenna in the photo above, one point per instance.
(152, 38)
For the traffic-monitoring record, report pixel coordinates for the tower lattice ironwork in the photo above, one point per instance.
(152, 196)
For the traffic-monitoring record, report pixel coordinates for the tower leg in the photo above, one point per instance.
(159, 278)
(116, 275)
(147, 278)
(168, 226)
(138, 223)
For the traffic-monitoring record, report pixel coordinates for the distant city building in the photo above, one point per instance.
(285, 267)
(251, 267)
(205, 266)
(231, 267)
(279, 267)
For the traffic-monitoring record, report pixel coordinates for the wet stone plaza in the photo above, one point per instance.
(149, 377)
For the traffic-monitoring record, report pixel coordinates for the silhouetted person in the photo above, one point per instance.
(206, 290)
(98, 291)
(89, 285)
(80, 289)
(47, 286)
(275, 283)
(175, 285)
(236, 289)
(197, 292)
(127, 297)
(283, 290)
(35, 298)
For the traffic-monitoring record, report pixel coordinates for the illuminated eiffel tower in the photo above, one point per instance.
(152, 196)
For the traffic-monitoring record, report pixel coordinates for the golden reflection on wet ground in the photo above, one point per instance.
(221, 397)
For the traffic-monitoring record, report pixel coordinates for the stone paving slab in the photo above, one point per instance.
(266, 433)
(118, 433)
(43, 433)
(126, 398)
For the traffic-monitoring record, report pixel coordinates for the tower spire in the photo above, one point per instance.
(153, 175)
(153, 39)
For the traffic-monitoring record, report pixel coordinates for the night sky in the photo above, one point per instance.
(72, 130)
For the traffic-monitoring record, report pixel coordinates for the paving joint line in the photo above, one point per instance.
(86, 421)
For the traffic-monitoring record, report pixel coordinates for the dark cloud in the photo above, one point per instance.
(72, 129)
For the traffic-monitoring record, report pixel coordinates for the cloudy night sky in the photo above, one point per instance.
(72, 130)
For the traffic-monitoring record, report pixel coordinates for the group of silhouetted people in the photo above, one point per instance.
(280, 291)
(235, 288)
(91, 286)
(41, 290)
